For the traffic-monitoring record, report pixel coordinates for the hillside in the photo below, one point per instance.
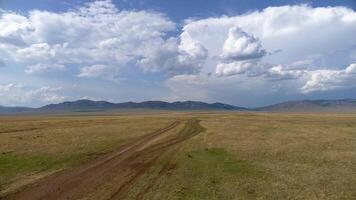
(88, 105)
(5, 110)
(160, 105)
(342, 105)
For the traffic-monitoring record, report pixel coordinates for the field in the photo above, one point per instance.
(178, 155)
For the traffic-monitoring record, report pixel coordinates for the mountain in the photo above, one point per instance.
(341, 105)
(88, 105)
(8, 110)
(78, 105)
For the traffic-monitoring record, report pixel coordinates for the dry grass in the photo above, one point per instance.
(265, 156)
(239, 156)
(31, 147)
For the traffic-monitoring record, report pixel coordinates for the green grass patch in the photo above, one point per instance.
(12, 164)
(212, 173)
(21, 163)
(221, 160)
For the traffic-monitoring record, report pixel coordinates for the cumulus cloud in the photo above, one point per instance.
(184, 56)
(103, 71)
(324, 80)
(72, 37)
(302, 35)
(9, 87)
(238, 90)
(240, 45)
(46, 94)
(233, 68)
(298, 30)
(273, 51)
(17, 93)
(281, 72)
(185, 87)
(191, 51)
(241, 53)
(42, 67)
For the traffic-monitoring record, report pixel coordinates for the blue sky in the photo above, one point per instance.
(176, 10)
(247, 53)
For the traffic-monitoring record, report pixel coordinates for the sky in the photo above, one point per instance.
(246, 53)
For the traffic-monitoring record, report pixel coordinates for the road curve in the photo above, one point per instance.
(113, 175)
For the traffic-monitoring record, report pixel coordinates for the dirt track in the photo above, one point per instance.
(113, 175)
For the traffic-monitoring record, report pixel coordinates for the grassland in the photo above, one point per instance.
(33, 147)
(231, 156)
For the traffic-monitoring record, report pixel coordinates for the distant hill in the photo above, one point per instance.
(9, 110)
(88, 105)
(159, 105)
(342, 105)
(78, 105)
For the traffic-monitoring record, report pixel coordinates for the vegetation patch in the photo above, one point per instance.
(220, 159)
(204, 173)
(11, 165)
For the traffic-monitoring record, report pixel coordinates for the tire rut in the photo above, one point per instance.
(113, 175)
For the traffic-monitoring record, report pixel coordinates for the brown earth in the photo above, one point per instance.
(113, 175)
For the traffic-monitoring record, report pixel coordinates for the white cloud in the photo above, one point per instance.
(186, 56)
(73, 37)
(46, 94)
(185, 87)
(35, 52)
(238, 90)
(12, 94)
(103, 71)
(281, 72)
(9, 87)
(42, 67)
(274, 51)
(191, 48)
(233, 68)
(325, 80)
(298, 31)
(301, 39)
(351, 69)
(240, 45)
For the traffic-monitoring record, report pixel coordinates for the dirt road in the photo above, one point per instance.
(112, 176)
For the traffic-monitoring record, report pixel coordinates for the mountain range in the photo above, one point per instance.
(343, 105)
(340, 105)
(89, 105)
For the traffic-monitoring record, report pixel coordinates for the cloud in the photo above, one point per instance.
(269, 53)
(281, 72)
(184, 56)
(325, 80)
(46, 94)
(9, 87)
(238, 90)
(192, 87)
(17, 93)
(233, 68)
(240, 45)
(125, 38)
(103, 71)
(42, 67)
(241, 53)
(282, 27)
(300, 30)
